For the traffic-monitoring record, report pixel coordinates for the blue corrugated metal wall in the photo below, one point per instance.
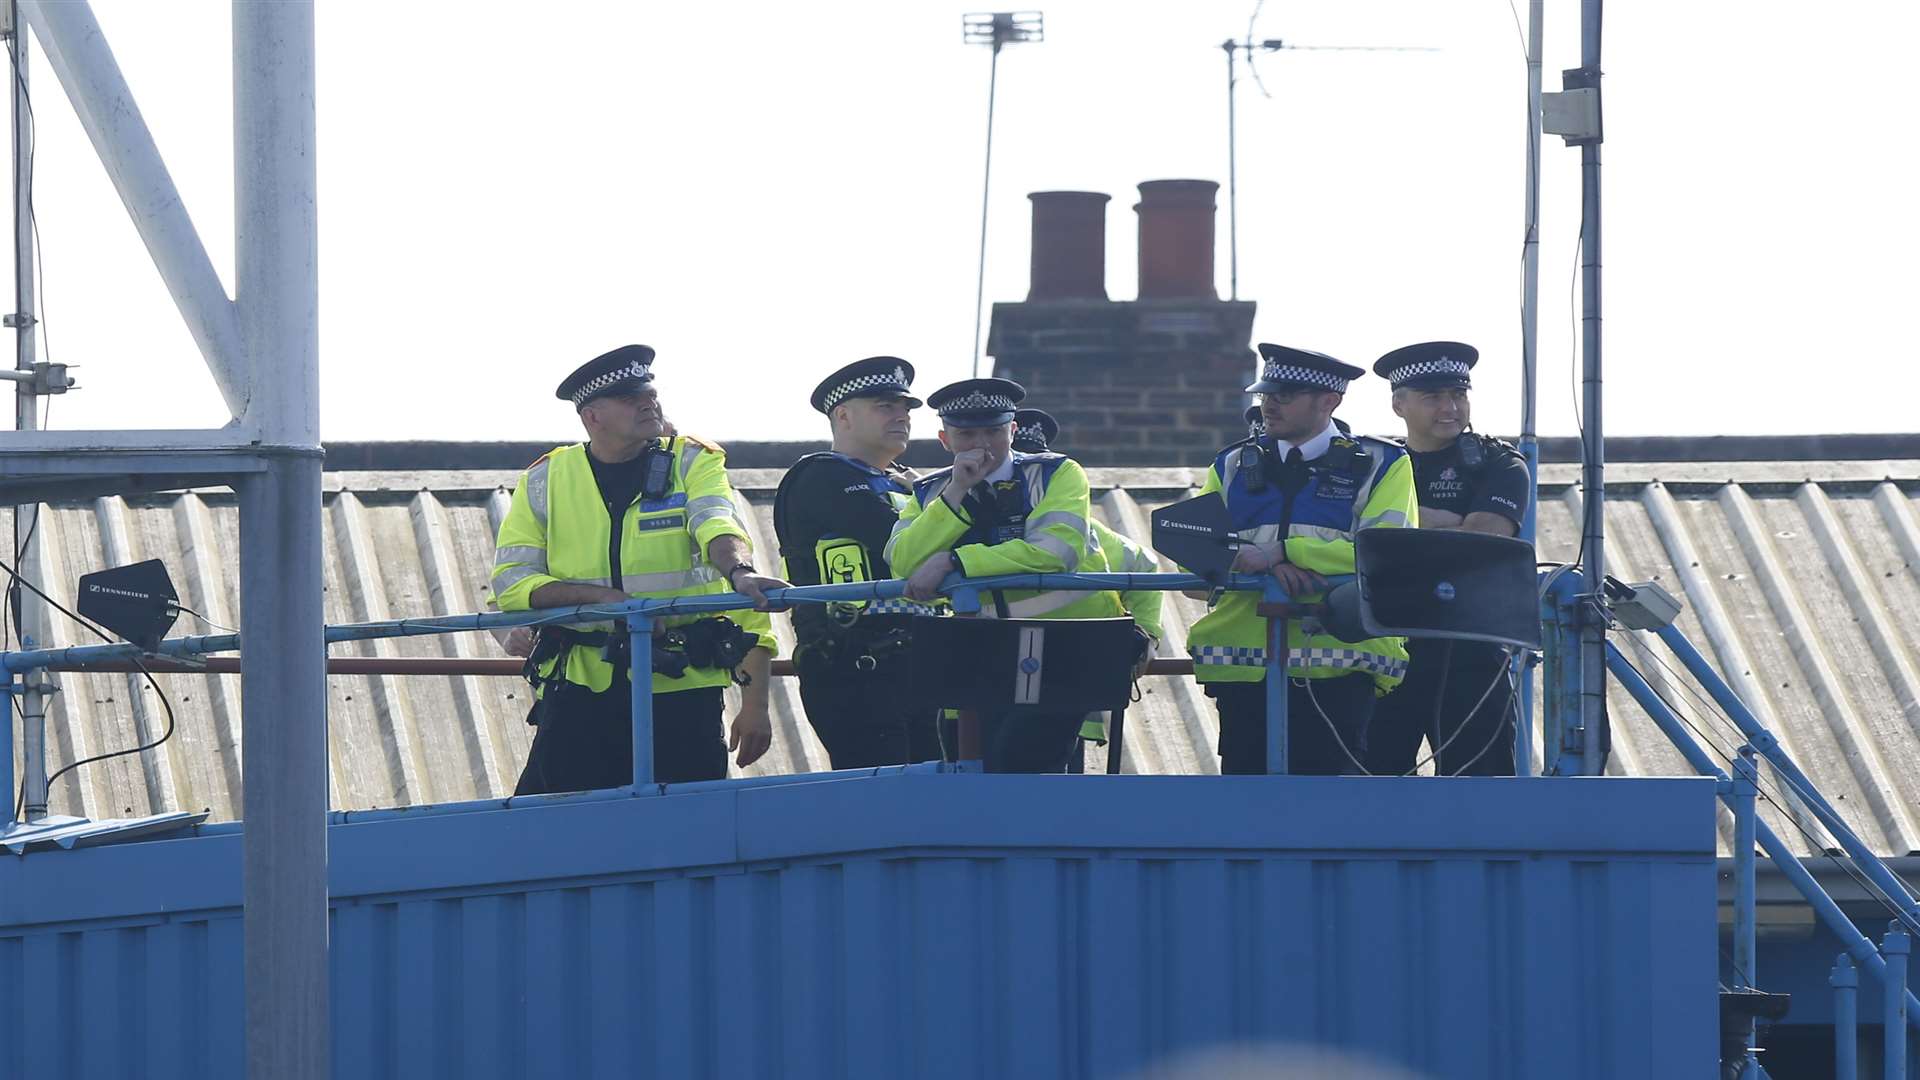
(927, 925)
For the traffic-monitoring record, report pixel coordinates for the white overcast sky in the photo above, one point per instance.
(764, 191)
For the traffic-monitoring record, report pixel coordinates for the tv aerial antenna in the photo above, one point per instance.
(1250, 47)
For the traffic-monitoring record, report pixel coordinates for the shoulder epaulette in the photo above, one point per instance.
(703, 443)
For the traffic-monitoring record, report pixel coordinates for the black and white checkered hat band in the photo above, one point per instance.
(1032, 433)
(1304, 376)
(1420, 368)
(632, 372)
(977, 401)
(895, 380)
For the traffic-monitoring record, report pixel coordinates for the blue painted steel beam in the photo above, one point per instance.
(640, 673)
(1277, 718)
(1824, 907)
(1764, 741)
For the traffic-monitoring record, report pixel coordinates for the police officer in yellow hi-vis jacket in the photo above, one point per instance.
(1297, 496)
(1107, 552)
(630, 513)
(997, 511)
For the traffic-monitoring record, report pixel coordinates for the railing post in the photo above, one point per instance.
(1895, 947)
(1746, 786)
(640, 673)
(1277, 718)
(1845, 981)
(7, 690)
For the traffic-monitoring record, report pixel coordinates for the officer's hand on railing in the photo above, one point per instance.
(924, 583)
(517, 641)
(751, 733)
(1296, 581)
(754, 587)
(1252, 559)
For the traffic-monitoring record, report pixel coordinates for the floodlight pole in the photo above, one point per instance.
(994, 30)
(986, 191)
(24, 552)
(1530, 365)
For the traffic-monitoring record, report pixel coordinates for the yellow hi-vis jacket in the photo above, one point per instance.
(1119, 555)
(1359, 483)
(1036, 525)
(558, 529)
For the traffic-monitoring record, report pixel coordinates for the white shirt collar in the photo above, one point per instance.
(1004, 472)
(1312, 448)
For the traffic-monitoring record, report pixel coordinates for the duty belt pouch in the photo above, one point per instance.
(1056, 665)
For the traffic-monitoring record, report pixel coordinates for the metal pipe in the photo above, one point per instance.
(449, 666)
(77, 51)
(959, 587)
(640, 675)
(1530, 280)
(1746, 787)
(1233, 185)
(9, 687)
(1824, 906)
(1277, 718)
(1845, 981)
(35, 621)
(1764, 741)
(1893, 1021)
(1593, 467)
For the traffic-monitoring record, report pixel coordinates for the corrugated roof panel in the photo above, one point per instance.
(1799, 581)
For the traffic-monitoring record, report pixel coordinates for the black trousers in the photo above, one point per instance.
(1027, 740)
(1312, 748)
(584, 740)
(1471, 742)
(863, 721)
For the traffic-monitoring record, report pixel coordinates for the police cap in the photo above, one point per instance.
(1283, 369)
(876, 376)
(624, 370)
(976, 403)
(1430, 365)
(1034, 430)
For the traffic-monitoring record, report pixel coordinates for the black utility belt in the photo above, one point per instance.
(863, 652)
(715, 644)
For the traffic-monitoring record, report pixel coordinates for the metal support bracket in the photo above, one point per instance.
(1574, 112)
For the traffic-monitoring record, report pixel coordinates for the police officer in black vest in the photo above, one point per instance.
(1457, 695)
(833, 514)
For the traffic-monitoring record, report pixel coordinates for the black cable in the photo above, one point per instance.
(102, 634)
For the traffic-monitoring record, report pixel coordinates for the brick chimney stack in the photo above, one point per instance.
(1152, 381)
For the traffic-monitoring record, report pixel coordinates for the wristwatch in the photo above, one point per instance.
(739, 566)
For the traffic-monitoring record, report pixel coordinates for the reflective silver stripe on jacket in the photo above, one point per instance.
(507, 577)
(707, 507)
(1319, 532)
(1139, 561)
(687, 454)
(1390, 518)
(1067, 553)
(1260, 534)
(1039, 604)
(535, 486)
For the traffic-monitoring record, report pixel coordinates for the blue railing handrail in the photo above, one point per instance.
(892, 588)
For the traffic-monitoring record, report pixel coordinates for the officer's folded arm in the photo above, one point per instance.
(573, 594)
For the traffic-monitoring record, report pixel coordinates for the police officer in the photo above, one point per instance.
(833, 514)
(629, 513)
(1297, 496)
(1000, 511)
(1033, 433)
(1465, 481)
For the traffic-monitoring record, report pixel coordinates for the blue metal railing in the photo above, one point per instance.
(642, 615)
(1903, 1008)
